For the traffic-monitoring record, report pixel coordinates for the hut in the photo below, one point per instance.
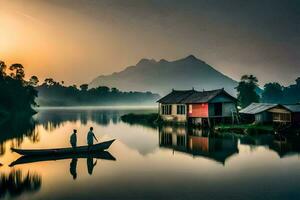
(271, 113)
(198, 107)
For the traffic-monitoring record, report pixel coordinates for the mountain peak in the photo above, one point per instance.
(144, 61)
(160, 76)
(191, 57)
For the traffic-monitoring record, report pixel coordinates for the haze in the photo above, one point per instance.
(77, 40)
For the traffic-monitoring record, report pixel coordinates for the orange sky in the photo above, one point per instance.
(77, 40)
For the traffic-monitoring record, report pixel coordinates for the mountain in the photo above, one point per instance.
(163, 76)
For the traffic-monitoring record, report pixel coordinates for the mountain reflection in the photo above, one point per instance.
(15, 183)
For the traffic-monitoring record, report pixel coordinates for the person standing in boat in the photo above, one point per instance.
(90, 137)
(73, 139)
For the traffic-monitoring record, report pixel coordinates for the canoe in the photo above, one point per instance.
(61, 151)
(103, 155)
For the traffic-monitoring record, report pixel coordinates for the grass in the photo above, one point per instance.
(245, 128)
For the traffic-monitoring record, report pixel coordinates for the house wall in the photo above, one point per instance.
(173, 117)
(198, 110)
(227, 108)
(263, 117)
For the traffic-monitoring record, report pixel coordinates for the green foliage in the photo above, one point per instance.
(17, 95)
(246, 90)
(275, 93)
(141, 119)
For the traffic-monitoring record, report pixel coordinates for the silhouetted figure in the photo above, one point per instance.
(90, 164)
(73, 139)
(73, 166)
(90, 137)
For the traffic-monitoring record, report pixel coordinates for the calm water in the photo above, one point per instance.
(150, 163)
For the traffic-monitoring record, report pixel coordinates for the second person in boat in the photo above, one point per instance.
(90, 137)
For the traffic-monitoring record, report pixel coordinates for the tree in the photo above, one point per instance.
(273, 93)
(115, 90)
(246, 90)
(2, 68)
(84, 87)
(17, 71)
(49, 81)
(102, 89)
(33, 81)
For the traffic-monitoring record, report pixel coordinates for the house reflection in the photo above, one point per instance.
(198, 142)
(281, 145)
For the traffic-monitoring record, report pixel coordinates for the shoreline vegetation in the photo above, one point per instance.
(153, 120)
(52, 93)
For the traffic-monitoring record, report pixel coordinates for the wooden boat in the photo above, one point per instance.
(61, 151)
(104, 155)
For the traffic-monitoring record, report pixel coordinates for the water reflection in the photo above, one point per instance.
(15, 183)
(105, 155)
(198, 142)
(73, 168)
(55, 118)
(146, 164)
(15, 130)
(220, 147)
(282, 146)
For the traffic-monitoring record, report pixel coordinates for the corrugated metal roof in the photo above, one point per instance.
(192, 96)
(293, 108)
(255, 108)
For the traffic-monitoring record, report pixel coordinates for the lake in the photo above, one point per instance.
(149, 162)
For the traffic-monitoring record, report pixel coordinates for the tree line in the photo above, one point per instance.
(20, 95)
(54, 93)
(249, 92)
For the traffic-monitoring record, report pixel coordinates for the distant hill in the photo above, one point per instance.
(162, 76)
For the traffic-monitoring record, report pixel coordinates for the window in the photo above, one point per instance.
(190, 109)
(282, 117)
(166, 109)
(180, 109)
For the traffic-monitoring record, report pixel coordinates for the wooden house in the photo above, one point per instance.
(197, 107)
(271, 113)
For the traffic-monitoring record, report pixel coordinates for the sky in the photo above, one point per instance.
(76, 40)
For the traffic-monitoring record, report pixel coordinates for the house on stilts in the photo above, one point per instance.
(198, 107)
(265, 113)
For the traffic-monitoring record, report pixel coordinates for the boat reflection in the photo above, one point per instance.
(103, 155)
(15, 183)
(198, 142)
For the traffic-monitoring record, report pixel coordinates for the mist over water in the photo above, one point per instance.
(150, 163)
